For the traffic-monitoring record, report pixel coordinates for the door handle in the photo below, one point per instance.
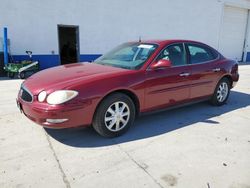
(216, 69)
(184, 74)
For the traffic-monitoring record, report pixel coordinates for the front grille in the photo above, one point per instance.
(26, 95)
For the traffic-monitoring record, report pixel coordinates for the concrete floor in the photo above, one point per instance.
(194, 146)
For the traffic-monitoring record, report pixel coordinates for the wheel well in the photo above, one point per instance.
(229, 79)
(133, 97)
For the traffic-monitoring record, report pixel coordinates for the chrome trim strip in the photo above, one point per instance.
(188, 64)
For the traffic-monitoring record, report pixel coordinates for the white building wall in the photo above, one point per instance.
(104, 24)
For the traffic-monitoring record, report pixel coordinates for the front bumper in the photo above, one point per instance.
(40, 113)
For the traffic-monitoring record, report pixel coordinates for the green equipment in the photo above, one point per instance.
(23, 68)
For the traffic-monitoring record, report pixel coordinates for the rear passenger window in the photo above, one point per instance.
(199, 54)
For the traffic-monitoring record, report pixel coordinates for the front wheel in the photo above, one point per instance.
(114, 115)
(221, 92)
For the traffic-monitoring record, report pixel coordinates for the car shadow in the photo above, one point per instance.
(154, 124)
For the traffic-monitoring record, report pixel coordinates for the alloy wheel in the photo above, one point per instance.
(117, 116)
(222, 92)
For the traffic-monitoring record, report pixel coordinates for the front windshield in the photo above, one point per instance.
(128, 55)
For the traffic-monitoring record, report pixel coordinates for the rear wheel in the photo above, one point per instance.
(221, 92)
(22, 75)
(114, 115)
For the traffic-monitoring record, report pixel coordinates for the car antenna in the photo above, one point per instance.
(139, 38)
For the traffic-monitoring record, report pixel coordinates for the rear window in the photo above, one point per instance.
(199, 54)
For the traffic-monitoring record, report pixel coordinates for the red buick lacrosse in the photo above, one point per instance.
(131, 79)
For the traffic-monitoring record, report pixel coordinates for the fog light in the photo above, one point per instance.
(56, 120)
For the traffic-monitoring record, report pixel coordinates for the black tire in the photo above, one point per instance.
(215, 100)
(22, 75)
(11, 74)
(99, 123)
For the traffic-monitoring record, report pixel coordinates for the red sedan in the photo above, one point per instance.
(133, 78)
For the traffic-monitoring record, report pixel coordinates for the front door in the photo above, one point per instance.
(68, 40)
(168, 86)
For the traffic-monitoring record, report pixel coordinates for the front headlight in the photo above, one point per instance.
(42, 95)
(61, 96)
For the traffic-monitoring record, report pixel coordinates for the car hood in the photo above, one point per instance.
(65, 75)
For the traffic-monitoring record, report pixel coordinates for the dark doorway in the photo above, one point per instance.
(68, 39)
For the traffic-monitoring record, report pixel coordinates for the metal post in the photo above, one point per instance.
(246, 39)
(5, 46)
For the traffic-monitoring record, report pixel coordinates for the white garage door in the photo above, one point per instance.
(233, 32)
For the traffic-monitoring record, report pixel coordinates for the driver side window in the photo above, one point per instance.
(174, 53)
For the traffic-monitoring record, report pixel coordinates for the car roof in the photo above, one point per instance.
(168, 41)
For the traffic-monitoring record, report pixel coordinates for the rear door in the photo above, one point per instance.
(201, 59)
(170, 85)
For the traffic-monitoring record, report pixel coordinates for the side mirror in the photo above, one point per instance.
(162, 63)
